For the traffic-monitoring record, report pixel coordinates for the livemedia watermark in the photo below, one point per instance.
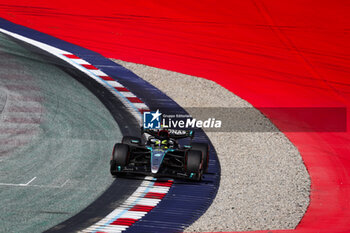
(323, 119)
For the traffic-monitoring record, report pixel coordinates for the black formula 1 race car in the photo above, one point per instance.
(161, 155)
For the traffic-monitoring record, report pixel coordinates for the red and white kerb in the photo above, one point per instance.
(142, 201)
(122, 92)
(135, 105)
(134, 100)
(151, 192)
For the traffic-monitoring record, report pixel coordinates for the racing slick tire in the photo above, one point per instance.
(204, 148)
(131, 141)
(194, 164)
(120, 157)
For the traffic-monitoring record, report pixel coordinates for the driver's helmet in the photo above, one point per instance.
(163, 138)
(162, 143)
(163, 134)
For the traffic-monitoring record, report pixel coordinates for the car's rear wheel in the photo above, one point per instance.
(120, 158)
(194, 164)
(204, 148)
(131, 141)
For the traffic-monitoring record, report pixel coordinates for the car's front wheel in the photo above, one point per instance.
(194, 164)
(204, 148)
(120, 158)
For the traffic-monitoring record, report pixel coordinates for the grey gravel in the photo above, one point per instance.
(264, 182)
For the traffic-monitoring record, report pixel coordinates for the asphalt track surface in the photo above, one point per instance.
(54, 162)
(182, 204)
(270, 53)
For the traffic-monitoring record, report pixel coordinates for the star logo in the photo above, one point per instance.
(151, 120)
(156, 115)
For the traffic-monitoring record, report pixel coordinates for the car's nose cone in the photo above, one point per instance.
(156, 161)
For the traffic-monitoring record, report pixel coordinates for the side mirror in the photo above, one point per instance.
(142, 130)
(135, 141)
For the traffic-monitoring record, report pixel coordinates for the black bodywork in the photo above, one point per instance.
(153, 157)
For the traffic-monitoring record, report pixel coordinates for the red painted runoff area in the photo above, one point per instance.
(273, 54)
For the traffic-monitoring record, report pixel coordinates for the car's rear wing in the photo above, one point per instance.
(173, 133)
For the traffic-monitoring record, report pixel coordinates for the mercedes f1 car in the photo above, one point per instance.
(161, 155)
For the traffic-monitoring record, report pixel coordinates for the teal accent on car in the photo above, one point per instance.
(157, 156)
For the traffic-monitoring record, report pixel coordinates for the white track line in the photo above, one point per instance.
(139, 199)
(34, 185)
(30, 181)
